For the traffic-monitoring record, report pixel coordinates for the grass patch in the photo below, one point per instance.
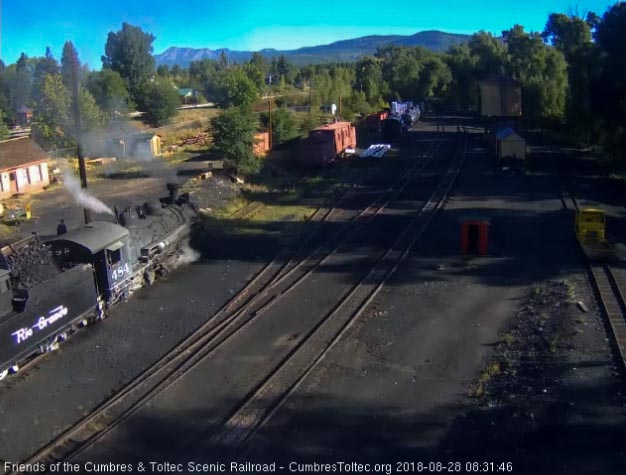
(537, 291)
(7, 232)
(232, 207)
(280, 212)
(479, 388)
(508, 339)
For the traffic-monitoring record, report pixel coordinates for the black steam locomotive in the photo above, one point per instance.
(49, 290)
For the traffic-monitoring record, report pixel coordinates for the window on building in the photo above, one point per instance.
(34, 174)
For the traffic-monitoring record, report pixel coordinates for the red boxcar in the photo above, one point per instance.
(325, 143)
(373, 121)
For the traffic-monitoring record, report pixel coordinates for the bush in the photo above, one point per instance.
(233, 136)
(284, 125)
(160, 102)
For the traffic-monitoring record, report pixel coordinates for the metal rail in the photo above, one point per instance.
(275, 280)
(252, 413)
(609, 286)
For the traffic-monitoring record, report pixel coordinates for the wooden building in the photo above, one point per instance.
(122, 142)
(261, 143)
(23, 167)
(500, 96)
(23, 115)
(144, 146)
(188, 95)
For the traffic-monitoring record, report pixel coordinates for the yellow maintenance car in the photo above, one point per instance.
(15, 215)
(590, 232)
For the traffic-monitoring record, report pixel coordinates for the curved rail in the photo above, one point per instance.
(254, 411)
(274, 281)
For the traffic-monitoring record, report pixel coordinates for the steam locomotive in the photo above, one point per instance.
(49, 290)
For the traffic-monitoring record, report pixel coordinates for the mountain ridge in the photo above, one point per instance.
(342, 50)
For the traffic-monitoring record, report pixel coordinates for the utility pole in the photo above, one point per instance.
(77, 128)
(339, 106)
(270, 114)
(310, 90)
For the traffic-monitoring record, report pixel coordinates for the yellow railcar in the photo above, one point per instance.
(591, 234)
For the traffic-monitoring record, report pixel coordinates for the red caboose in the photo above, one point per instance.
(326, 143)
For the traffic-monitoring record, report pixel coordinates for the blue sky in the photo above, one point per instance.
(31, 25)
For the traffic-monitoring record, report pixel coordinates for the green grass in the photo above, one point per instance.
(7, 232)
(282, 212)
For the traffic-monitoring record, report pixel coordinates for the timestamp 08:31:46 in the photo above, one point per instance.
(454, 467)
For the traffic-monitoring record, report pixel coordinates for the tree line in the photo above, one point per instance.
(573, 75)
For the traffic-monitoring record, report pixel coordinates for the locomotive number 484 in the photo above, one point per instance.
(120, 271)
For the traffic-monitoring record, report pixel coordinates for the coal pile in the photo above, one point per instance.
(213, 193)
(31, 265)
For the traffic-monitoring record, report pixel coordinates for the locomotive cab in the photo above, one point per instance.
(106, 247)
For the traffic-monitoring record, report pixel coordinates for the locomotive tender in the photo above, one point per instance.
(48, 291)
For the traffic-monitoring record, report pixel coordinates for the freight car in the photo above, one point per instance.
(373, 121)
(324, 144)
(392, 129)
(411, 116)
(47, 291)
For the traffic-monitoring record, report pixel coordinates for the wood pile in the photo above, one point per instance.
(200, 139)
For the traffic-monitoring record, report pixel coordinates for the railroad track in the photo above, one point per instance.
(275, 280)
(255, 410)
(610, 287)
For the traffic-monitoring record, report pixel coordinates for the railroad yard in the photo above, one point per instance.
(361, 333)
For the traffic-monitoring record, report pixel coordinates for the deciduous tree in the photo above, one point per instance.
(129, 52)
(160, 101)
(233, 136)
(54, 125)
(4, 130)
(109, 90)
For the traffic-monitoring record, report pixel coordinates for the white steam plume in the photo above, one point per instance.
(187, 255)
(82, 196)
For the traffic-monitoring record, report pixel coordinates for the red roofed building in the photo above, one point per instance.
(23, 167)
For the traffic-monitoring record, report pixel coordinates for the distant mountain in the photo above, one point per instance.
(345, 50)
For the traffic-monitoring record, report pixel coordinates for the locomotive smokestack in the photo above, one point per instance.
(173, 189)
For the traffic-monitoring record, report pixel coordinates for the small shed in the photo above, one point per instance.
(122, 142)
(23, 115)
(474, 235)
(188, 95)
(23, 167)
(509, 144)
(329, 109)
(261, 143)
(145, 146)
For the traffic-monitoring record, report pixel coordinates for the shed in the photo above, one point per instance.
(509, 144)
(23, 167)
(329, 109)
(261, 143)
(123, 141)
(144, 146)
(23, 115)
(187, 95)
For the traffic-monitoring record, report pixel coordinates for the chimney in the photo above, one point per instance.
(173, 189)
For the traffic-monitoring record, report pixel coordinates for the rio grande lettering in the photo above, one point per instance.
(54, 315)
